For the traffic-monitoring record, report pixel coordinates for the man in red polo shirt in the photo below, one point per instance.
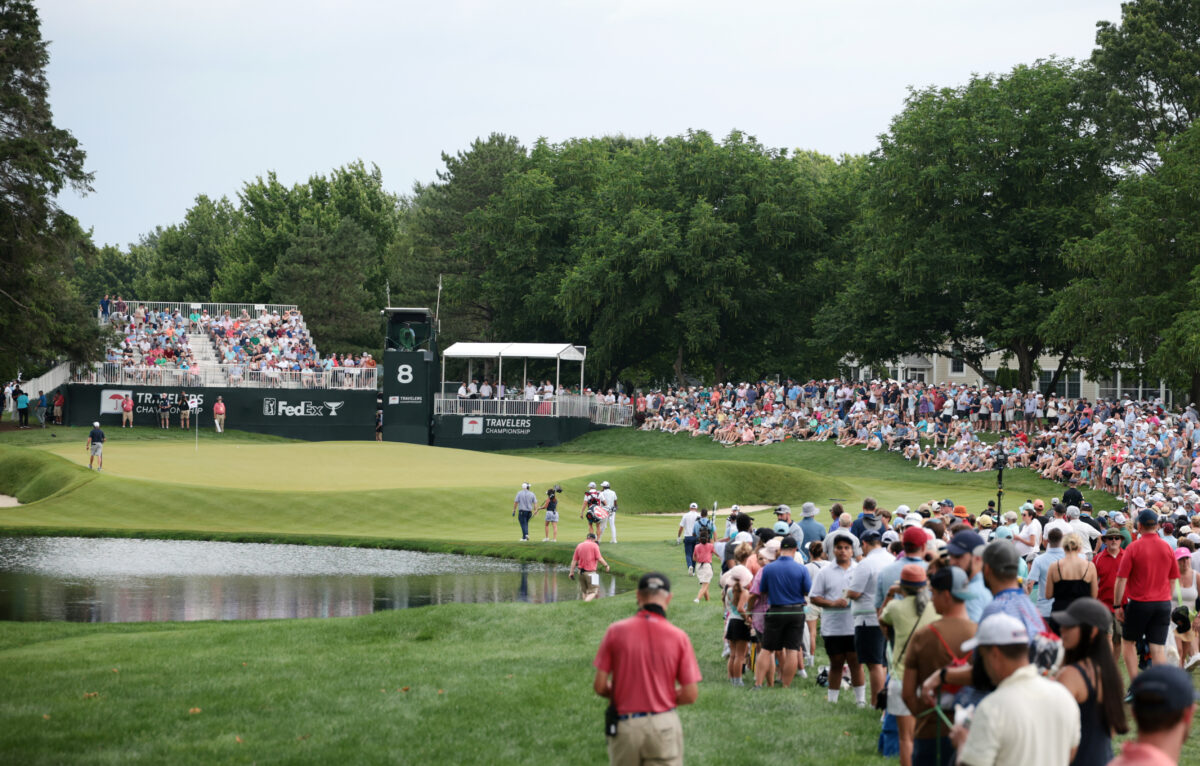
(1108, 560)
(587, 556)
(647, 668)
(1142, 598)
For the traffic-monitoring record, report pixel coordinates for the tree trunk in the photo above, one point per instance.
(679, 366)
(1062, 366)
(1025, 361)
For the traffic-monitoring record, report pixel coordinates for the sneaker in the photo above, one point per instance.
(1192, 662)
(756, 687)
(802, 673)
(691, 572)
(725, 652)
(695, 601)
(545, 539)
(860, 705)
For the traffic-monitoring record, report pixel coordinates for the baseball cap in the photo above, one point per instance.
(1001, 557)
(1182, 553)
(1162, 688)
(1003, 533)
(808, 510)
(782, 510)
(902, 510)
(871, 535)
(781, 528)
(1072, 512)
(95, 424)
(1119, 518)
(592, 485)
(1084, 611)
(912, 574)
(890, 537)
(790, 542)
(914, 519)
(947, 502)
(735, 508)
(915, 536)
(952, 580)
(652, 581)
(1147, 518)
(998, 630)
(693, 506)
(985, 521)
(1039, 504)
(965, 541)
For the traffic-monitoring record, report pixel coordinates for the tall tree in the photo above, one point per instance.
(42, 316)
(972, 196)
(1145, 76)
(180, 262)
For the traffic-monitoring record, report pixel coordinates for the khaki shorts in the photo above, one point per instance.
(656, 739)
(98, 449)
(585, 583)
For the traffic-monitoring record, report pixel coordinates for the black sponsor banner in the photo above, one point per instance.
(314, 414)
(407, 395)
(496, 432)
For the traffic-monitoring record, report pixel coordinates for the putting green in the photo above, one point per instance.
(324, 466)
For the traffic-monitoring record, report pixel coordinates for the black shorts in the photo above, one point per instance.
(785, 628)
(1151, 619)
(838, 644)
(868, 644)
(737, 630)
(947, 418)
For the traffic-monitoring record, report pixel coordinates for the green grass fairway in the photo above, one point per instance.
(486, 683)
(322, 466)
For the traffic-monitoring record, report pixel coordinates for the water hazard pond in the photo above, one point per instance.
(121, 580)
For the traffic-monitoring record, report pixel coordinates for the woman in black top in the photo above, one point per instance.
(1090, 673)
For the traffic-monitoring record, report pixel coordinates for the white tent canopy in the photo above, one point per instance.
(557, 351)
(562, 351)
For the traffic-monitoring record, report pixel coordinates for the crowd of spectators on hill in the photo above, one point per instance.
(1132, 449)
(151, 344)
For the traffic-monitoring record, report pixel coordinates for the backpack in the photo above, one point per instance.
(706, 525)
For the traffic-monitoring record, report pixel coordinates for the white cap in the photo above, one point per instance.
(95, 424)
(998, 630)
(605, 484)
(693, 506)
(914, 519)
(525, 485)
(736, 507)
(591, 485)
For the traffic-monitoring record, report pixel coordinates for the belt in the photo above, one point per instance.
(784, 606)
(627, 716)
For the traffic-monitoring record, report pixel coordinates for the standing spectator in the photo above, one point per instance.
(1029, 539)
(786, 585)
(95, 446)
(686, 526)
(906, 610)
(164, 411)
(1107, 562)
(60, 401)
(185, 411)
(22, 409)
(812, 529)
(1164, 703)
(219, 415)
(127, 411)
(42, 406)
(966, 553)
(1070, 578)
(1142, 597)
(702, 554)
(608, 499)
(585, 559)
(1028, 719)
(378, 425)
(523, 505)
(1039, 571)
(868, 637)
(913, 542)
(550, 506)
(1090, 673)
(933, 647)
(105, 304)
(9, 403)
(735, 584)
(646, 668)
(837, 623)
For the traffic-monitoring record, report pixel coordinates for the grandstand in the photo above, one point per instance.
(205, 345)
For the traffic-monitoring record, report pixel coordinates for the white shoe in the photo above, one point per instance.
(695, 601)
(691, 571)
(1192, 662)
(545, 539)
(803, 673)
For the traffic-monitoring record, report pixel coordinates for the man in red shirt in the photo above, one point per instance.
(647, 668)
(1108, 560)
(587, 556)
(1142, 598)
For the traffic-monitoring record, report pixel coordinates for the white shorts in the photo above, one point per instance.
(996, 417)
(98, 449)
(895, 701)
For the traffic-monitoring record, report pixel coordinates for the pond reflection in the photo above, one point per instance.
(119, 580)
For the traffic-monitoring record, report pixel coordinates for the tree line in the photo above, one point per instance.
(1051, 210)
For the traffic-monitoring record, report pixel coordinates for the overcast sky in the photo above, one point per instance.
(172, 99)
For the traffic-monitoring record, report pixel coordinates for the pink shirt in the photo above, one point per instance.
(1138, 754)
(587, 555)
(647, 657)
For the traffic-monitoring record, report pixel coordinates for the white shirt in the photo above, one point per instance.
(831, 583)
(688, 522)
(1034, 528)
(608, 499)
(1060, 524)
(862, 580)
(1027, 720)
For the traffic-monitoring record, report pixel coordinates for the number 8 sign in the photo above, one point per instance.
(404, 373)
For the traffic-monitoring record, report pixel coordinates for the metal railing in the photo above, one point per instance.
(214, 309)
(224, 376)
(566, 406)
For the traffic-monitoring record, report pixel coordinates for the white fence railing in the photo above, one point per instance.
(224, 375)
(59, 374)
(214, 309)
(567, 406)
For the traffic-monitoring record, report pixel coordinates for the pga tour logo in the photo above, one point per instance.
(472, 426)
(273, 407)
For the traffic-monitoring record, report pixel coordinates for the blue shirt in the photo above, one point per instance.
(1015, 603)
(980, 598)
(813, 532)
(22, 402)
(1040, 571)
(785, 581)
(890, 575)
